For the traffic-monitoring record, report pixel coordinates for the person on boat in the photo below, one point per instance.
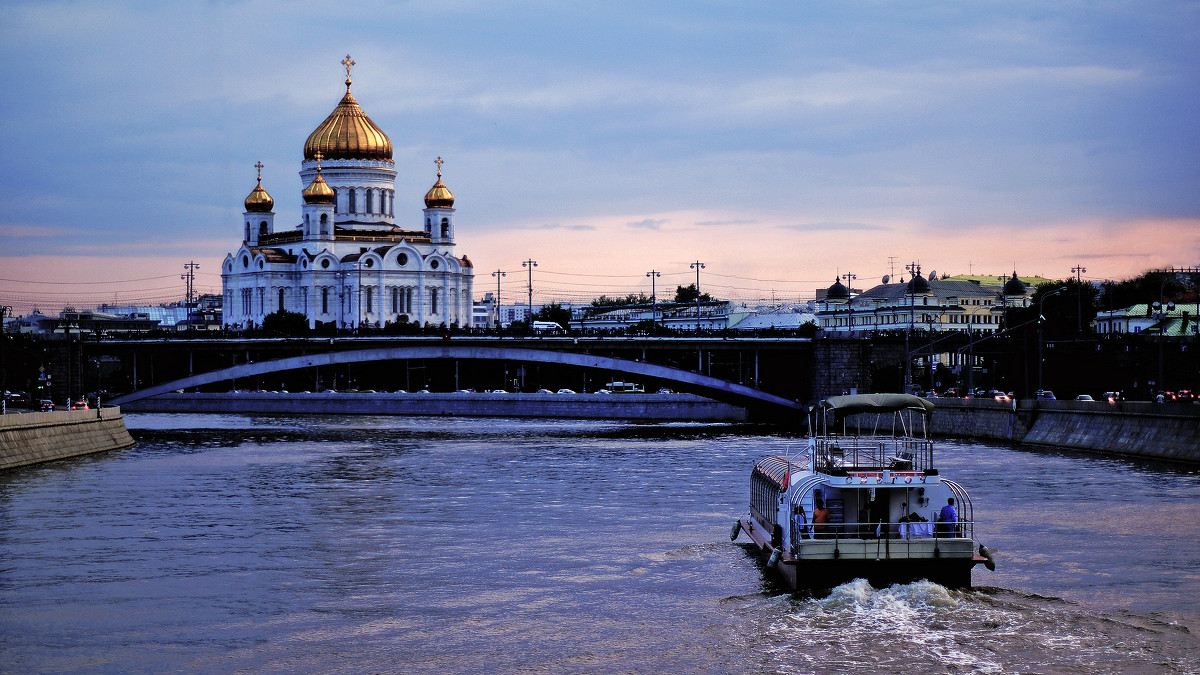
(948, 517)
(820, 518)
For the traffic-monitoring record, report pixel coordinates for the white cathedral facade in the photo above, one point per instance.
(348, 263)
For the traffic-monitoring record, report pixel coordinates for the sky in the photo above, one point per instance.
(781, 144)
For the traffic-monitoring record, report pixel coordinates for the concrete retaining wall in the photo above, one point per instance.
(656, 407)
(1156, 431)
(42, 437)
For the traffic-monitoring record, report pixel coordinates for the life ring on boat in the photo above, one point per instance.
(737, 529)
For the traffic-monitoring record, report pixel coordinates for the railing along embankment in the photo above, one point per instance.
(32, 438)
(1135, 428)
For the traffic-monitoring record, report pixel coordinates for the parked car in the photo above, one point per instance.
(1045, 395)
(47, 405)
(544, 391)
(665, 390)
(566, 391)
(1084, 397)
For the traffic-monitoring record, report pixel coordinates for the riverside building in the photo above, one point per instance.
(348, 262)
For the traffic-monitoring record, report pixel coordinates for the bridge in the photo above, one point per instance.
(753, 399)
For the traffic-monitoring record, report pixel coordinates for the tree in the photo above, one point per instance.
(688, 294)
(554, 312)
(284, 322)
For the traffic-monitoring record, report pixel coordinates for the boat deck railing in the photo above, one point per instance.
(963, 529)
(900, 453)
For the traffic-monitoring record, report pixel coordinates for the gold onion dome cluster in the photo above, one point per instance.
(258, 200)
(439, 196)
(348, 134)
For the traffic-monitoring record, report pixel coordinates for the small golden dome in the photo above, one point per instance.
(258, 201)
(318, 191)
(348, 133)
(439, 196)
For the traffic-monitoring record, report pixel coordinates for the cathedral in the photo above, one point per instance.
(348, 263)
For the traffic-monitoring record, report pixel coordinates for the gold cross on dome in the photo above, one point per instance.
(259, 166)
(348, 62)
(439, 162)
(317, 156)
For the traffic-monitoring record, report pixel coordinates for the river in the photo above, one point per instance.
(356, 544)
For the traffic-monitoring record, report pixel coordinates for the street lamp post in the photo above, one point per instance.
(1078, 270)
(653, 274)
(5, 310)
(496, 303)
(697, 266)
(531, 263)
(849, 297)
(1041, 340)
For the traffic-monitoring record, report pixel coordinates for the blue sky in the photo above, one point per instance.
(781, 144)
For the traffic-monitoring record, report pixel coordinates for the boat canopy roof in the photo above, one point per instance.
(876, 403)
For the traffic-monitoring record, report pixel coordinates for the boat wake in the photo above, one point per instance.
(924, 627)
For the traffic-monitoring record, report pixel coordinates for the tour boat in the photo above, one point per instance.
(863, 500)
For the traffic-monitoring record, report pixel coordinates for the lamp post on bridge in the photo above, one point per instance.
(653, 274)
(697, 266)
(496, 304)
(531, 263)
(1078, 271)
(849, 277)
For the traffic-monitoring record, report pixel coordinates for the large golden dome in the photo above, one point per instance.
(439, 196)
(348, 133)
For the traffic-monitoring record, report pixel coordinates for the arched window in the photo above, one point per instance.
(281, 299)
(428, 225)
(369, 289)
(433, 301)
(325, 300)
(262, 228)
(370, 201)
(247, 237)
(334, 199)
(350, 206)
(306, 221)
(445, 228)
(395, 300)
(324, 223)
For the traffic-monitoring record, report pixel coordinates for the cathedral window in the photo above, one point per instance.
(433, 308)
(262, 228)
(245, 262)
(408, 301)
(402, 259)
(334, 198)
(306, 221)
(428, 225)
(325, 300)
(351, 206)
(324, 223)
(395, 300)
(281, 299)
(247, 237)
(369, 303)
(325, 264)
(445, 228)
(370, 201)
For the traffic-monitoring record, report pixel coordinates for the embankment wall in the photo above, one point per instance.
(1134, 428)
(654, 407)
(31, 438)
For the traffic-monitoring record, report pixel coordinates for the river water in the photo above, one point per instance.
(416, 545)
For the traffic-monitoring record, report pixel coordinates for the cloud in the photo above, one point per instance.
(556, 226)
(708, 223)
(649, 223)
(834, 227)
(26, 230)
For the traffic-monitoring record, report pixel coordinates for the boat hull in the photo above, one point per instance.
(824, 564)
